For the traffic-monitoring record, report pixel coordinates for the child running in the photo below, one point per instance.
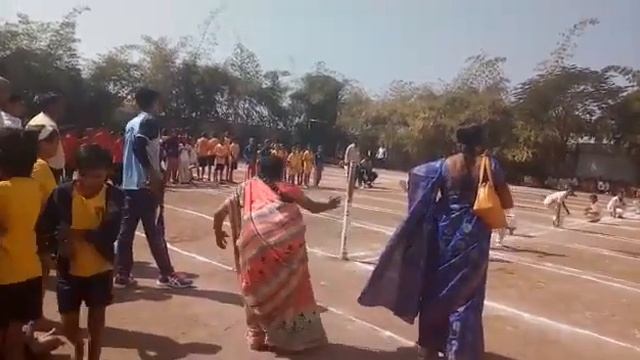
(556, 202)
(82, 218)
(20, 265)
(593, 212)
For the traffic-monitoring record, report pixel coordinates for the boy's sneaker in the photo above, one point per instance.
(122, 281)
(174, 281)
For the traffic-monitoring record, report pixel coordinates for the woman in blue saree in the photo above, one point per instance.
(435, 265)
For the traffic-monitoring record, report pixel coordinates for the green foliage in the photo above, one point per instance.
(531, 124)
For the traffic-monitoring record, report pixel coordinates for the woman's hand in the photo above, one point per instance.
(334, 202)
(221, 239)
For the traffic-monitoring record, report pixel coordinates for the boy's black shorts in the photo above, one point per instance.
(220, 167)
(94, 291)
(21, 302)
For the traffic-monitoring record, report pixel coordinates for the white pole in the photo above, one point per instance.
(346, 218)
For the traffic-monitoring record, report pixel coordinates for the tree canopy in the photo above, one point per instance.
(532, 124)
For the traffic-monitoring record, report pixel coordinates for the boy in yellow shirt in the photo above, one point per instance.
(307, 165)
(20, 270)
(82, 218)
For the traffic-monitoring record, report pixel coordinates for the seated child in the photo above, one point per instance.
(593, 213)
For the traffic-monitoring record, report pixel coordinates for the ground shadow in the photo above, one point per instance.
(499, 260)
(540, 253)
(630, 253)
(152, 346)
(591, 232)
(526, 236)
(145, 270)
(341, 351)
(157, 294)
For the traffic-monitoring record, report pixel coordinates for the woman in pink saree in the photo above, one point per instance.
(268, 234)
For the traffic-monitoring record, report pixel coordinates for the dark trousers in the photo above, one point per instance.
(142, 205)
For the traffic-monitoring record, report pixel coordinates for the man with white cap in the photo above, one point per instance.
(52, 106)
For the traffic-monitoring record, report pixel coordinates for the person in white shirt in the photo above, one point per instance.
(351, 156)
(616, 206)
(556, 202)
(53, 106)
(381, 156)
(593, 213)
(14, 111)
(6, 119)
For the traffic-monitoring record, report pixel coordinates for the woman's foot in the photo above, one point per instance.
(426, 354)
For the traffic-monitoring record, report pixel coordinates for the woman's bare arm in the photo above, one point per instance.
(317, 207)
(218, 221)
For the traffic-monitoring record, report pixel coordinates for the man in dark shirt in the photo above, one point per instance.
(250, 155)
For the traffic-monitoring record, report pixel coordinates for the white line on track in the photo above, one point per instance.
(549, 267)
(501, 307)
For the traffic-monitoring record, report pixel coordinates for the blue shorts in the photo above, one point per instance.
(94, 291)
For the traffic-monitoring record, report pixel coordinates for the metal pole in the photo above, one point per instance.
(346, 218)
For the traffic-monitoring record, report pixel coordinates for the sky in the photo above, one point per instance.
(372, 41)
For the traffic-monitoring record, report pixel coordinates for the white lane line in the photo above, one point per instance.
(573, 272)
(527, 316)
(361, 322)
(561, 326)
(549, 267)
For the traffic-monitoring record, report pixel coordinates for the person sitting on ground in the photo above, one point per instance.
(616, 206)
(271, 259)
(82, 220)
(593, 212)
(365, 173)
(556, 202)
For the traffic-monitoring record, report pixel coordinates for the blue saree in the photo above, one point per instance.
(435, 265)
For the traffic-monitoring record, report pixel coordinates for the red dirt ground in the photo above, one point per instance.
(571, 293)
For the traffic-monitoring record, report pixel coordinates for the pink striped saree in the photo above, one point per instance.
(272, 263)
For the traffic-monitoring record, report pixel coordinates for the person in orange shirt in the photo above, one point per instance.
(234, 151)
(103, 139)
(222, 159)
(211, 156)
(202, 151)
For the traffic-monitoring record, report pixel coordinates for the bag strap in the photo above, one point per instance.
(485, 168)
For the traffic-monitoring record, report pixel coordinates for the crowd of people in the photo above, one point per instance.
(71, 202)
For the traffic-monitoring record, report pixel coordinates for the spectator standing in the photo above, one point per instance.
(381, 155)
(319, 166)
(6, 118)
(144, 194)
(202, 151)
(234, 149)
(70, 145)
(250, 155)
(15, 111)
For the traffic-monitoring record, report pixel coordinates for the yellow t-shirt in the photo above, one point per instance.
(20, 203)
(86, 215)
(294, 162)
(307, 161)
(44, 176)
